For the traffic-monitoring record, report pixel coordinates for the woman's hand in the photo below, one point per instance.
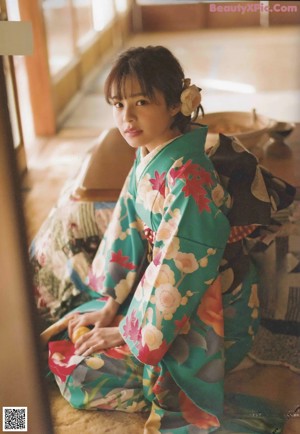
(101, 318)
(98, 339)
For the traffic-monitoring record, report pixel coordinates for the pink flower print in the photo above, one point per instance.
(157, 258)
(95, 282)
(159, 183)
(132, 329)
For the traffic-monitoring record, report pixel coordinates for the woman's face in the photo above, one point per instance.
(141, 121)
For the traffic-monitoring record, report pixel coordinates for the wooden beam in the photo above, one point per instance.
(39, 78)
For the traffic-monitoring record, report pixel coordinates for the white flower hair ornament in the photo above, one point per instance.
(190, 98)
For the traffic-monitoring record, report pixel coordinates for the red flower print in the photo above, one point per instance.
(60, 353)
(159, 183)
(179, 324)
(153, 357)
(160, 384)
(118, 352)
(122, 260)
(181, 171)
(194, 188)
(195, 415)
(195, 178)
(210, 310)
(132, 329)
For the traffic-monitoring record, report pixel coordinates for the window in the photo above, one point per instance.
(59, 29)
(103, 13)
(83, 15)
(121, 5)
(72, 23)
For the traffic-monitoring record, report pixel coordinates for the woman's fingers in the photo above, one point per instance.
(89, 342)
(98, 339)
(80, 320)
(79, 331)
(91, 350)
(71, 315)
(74, 322)
(101, 318)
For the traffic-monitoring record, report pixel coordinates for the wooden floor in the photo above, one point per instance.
(212, 59)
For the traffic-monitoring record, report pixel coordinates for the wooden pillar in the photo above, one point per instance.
(21, 376)
(39, 78)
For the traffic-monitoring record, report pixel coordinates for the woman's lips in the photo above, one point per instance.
(131, 132)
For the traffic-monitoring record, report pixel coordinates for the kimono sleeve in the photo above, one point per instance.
(188, 247)
(118, 259)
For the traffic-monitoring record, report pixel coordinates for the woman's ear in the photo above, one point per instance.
(174, 109)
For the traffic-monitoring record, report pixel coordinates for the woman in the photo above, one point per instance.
(155, 340)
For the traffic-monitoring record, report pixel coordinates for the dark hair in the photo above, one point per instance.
(154, 68)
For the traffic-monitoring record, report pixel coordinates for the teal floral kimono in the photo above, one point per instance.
(185, 315)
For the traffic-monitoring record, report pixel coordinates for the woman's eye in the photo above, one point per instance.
(141, 102)
(118, 104)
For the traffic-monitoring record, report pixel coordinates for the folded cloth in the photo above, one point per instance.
(256, 197)
(255, 192)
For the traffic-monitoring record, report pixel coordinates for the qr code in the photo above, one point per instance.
(14, 419)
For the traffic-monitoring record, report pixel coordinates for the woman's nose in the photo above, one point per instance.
(128, 114)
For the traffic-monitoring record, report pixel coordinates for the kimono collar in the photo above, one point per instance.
(195, 137)
(147, 156)
(199, 130)
(145, 152)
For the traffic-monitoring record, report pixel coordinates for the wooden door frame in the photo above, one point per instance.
(22, 381)
(19, 148)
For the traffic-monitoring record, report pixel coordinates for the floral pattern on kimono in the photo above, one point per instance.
(175, 314)
(163, 259)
